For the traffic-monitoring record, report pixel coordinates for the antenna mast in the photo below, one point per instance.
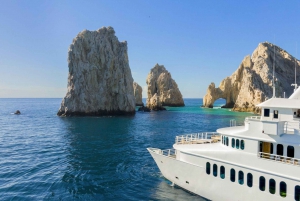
(296, 86)
(274, 74)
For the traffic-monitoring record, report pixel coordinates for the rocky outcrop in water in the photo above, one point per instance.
(251, 83)
(99, 80)
(162, 89)
(137, 90)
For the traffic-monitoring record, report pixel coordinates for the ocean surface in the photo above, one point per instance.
(46, 157)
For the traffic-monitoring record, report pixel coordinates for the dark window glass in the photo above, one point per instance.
(280, 149)
(237, 143)
(232, 175)
(282, 188)
(290, 151)
(272, 186)
(297, 193)
(222, 172)
(262, 183)
(232, 142)
(260, 146)
(241, 177)
(227, 141)
(266, 112)
(271, 151)
(222, 139)
(249, 180)
(242, 144)
(207, 168)
(275, 114)
(215, 170)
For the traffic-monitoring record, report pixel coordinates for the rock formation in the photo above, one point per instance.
(162, 89)
(99, 80)
(251, 83)
(137, 90)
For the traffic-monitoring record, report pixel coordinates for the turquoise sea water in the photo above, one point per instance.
(46, 157)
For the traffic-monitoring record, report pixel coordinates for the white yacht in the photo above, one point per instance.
(257, 161)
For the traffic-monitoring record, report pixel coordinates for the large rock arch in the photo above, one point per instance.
(251, 83)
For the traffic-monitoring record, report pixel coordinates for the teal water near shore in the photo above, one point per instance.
(46, 157)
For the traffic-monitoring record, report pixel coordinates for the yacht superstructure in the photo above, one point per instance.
(257, 161)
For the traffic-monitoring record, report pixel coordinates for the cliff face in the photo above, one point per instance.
(163, 88)
(137, 90)
(251, 83)
(99, 80)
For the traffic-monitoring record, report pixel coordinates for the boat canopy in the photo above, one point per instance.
(281, 103)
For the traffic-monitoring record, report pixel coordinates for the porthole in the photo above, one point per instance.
(262, 183)
(249, 180)
(232, 175)
(227, 141)
(282, 189)
(215, 170)
(237, 143)
(241, 177)
(207, 168)
(232, 142)
(242, 144)
(222, 172)
(272, 186)
(297, 193)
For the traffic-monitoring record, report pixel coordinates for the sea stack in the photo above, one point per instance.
(99, 80)
(137, 90)
(251, 83)
(162, 89)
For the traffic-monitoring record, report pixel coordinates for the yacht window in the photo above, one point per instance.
(271, 151)
(272, 186)
(222, 139)
(280, 149)
(237, 143)
(222, 172)
(290, 151)
(266, 112)
(282, 187)
(227, 141)
(232, 142)
(262, 183)
(232, 175)
(241, 177)
(260, 146)
(215, 170)
(207, 168)
(275, 114)
(242, 144)
(297, 192)
(249, 180)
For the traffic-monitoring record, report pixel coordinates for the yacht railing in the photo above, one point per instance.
(256, 118)
(198, 138)
(279, 158)
(169, 152)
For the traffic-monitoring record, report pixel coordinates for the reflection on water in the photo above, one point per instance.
(164, 191)
(44, 156)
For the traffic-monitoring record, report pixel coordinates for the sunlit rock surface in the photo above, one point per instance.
(99, 80)
(162, 89)
(251, 83)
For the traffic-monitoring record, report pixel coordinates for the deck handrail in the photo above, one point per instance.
(279, 158)
(253, 118)
(168, 152)
(193, 137)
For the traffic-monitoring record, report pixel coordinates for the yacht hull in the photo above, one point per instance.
(194, 178)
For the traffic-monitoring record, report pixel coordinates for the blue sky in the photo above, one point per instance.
(199, 42)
